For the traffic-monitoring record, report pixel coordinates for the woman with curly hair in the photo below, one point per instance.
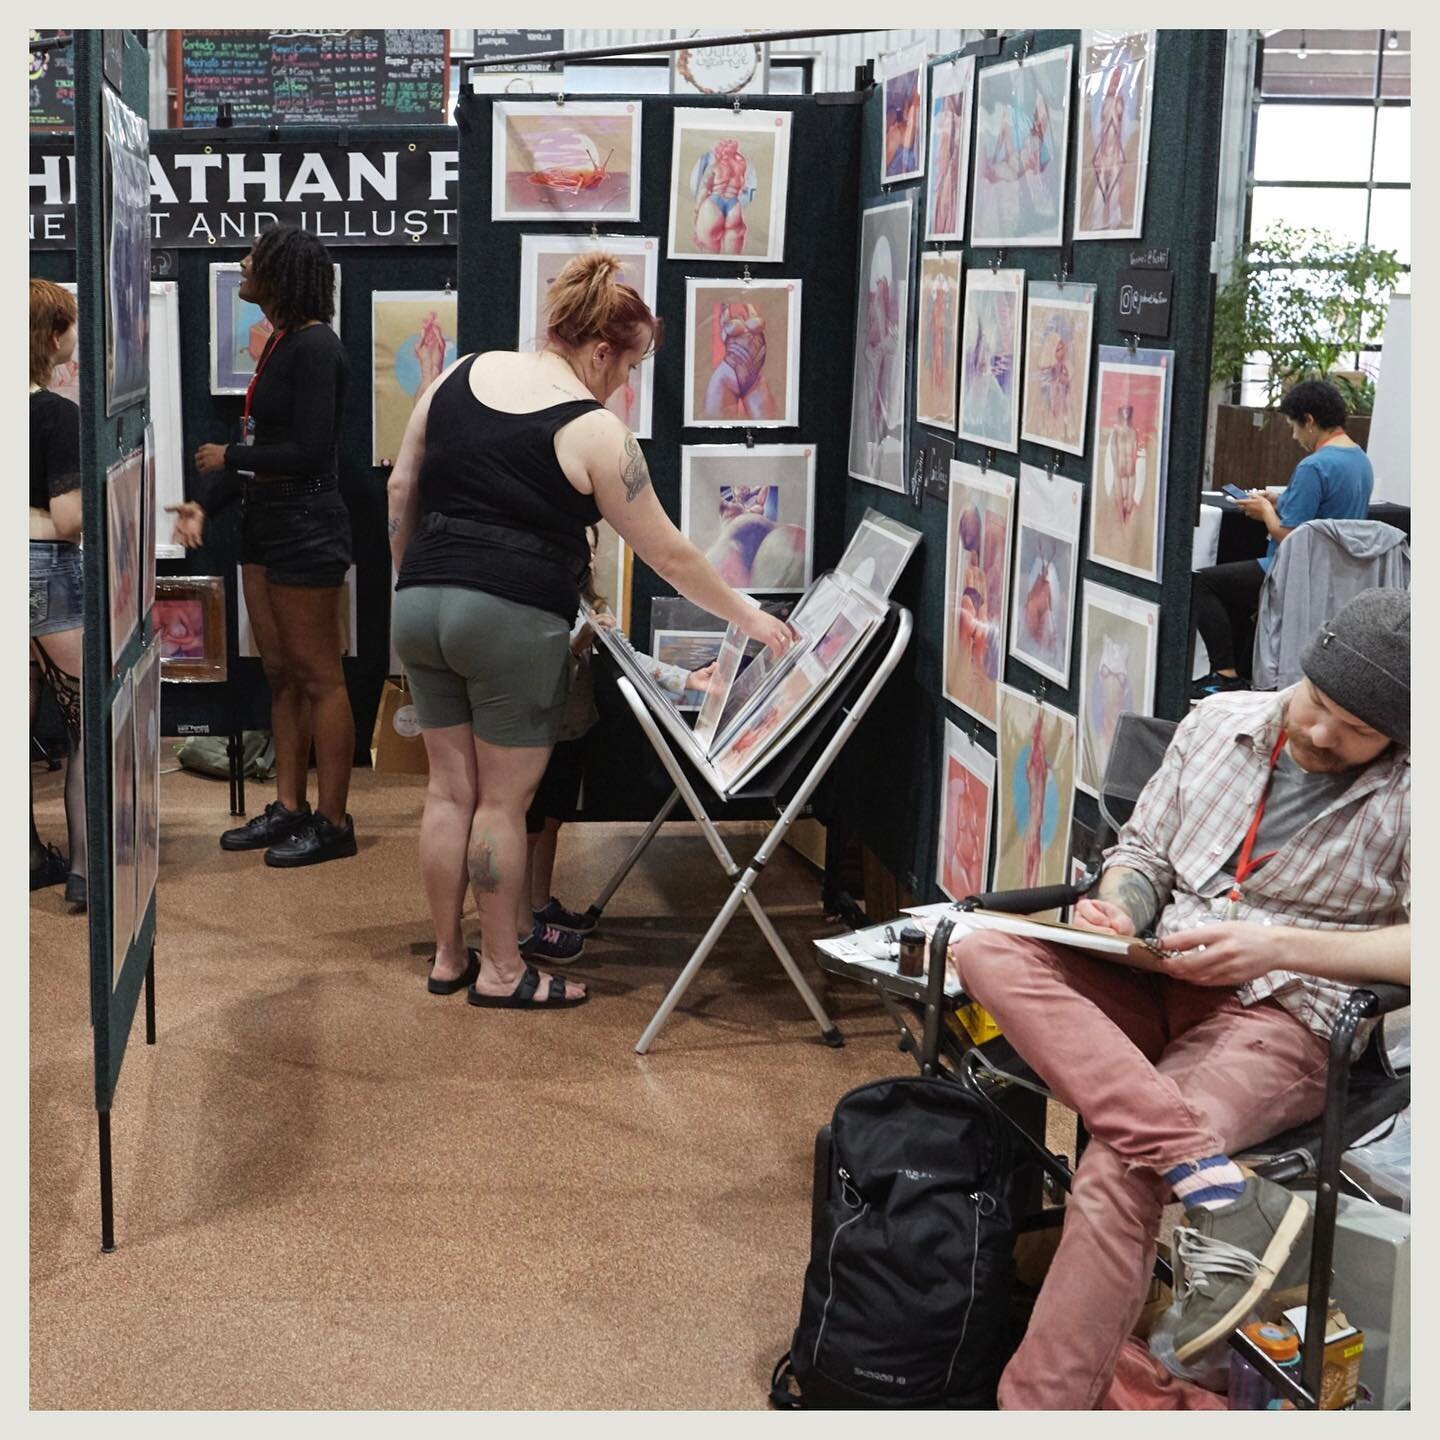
(295, 546)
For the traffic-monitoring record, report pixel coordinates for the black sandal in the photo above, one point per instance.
(466, 977)
(522, 997)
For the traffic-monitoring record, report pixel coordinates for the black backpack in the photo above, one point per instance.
(907, 1293)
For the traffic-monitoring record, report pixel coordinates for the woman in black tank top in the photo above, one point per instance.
(506, 459)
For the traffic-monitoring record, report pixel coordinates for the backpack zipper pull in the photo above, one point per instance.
(983, 1202)
(848, 1192)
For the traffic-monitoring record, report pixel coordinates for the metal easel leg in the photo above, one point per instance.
(628, 864)
(107, 1190)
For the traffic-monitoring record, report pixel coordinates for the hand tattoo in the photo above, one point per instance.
(633, 470)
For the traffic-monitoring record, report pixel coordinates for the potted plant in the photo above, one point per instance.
(1303, 299)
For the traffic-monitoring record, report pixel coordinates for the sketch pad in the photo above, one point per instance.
(1142, 954)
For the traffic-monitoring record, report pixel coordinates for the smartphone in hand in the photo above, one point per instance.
(1235, 492)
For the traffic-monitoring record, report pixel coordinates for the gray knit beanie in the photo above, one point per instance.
(1361, 660)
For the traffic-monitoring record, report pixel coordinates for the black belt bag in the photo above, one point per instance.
(510, 539)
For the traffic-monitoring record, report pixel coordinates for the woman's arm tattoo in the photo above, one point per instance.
(633, 470)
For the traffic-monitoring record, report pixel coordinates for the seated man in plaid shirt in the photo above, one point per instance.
(1271, 850)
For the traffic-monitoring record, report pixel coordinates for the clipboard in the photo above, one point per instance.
(1140, 953)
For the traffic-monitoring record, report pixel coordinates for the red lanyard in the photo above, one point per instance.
(265, 354)
(1247, 866)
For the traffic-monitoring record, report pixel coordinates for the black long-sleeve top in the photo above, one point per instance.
(296, 406)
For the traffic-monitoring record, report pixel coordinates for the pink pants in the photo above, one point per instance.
(1160, 1071)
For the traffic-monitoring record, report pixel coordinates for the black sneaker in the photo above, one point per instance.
(51, 870)
(314, 842)
(273, 823)
(77, 891)
(554, 913)
(1216, 684)
(549, 942)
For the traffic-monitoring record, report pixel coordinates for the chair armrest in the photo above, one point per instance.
(1026, 902)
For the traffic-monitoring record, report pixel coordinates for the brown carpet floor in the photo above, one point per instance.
(335, 1190)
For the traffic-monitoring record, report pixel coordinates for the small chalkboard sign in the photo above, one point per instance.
(1142, 302)
(279, 77)
(52, 83)
(516, 46)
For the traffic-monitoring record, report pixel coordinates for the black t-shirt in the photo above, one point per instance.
(499, 469)
(54, 447)
(297, 406)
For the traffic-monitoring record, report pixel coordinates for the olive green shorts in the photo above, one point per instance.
(475, 659)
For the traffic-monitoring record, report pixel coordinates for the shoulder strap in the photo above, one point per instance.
(782, 1397)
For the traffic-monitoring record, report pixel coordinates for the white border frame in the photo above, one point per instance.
(790, 417)
(417, 297)
(500, 213)
(763, 122)
(1061, 135)
(234, 266)
(1051, 293)
(981, 279)
(688, 453)
(946, 258)
(1050, 489)
(965, 66)
(979, 762)
(165, 412)
(909, 59)
(1112, 39)
(1127, 607)
(880, 523)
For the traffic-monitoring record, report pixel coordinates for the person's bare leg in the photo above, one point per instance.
(289, 709)
(444, 837)
(507, 777)
(542, 865)
(308, 617)
(62, 663)
(524, 919)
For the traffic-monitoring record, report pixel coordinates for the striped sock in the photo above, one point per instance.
(1206, 1184)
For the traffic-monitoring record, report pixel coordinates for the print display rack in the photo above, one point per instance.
(818, 736)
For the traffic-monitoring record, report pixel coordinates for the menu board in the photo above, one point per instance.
(52, 83)
(278, 77)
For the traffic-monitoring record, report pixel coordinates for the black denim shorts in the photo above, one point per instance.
(299, 542)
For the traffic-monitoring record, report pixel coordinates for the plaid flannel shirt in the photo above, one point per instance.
(1347, 869)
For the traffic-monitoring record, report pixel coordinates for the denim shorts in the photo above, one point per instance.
(299, 542)
(57, 587)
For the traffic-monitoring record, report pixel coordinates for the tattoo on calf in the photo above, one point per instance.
(484, 872)
(633, 470)
(392, 528)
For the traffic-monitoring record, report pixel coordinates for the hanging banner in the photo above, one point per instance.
(204, 193)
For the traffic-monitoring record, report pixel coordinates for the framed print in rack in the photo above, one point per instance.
(1036, 793)
(239, 330)
(1022, 121)
(938, 337)
(751, 510)
(412, 340)
(1132, 436)
(990, 358)
(579, 160)
(543, 257)
(1059, 322)
(189, 627)
(729, 177)
(952, 117)
(877, 402)
(967, 784)
(1117, 672)
(878, 551)
(742, 353)
(902, 77)
(977, 587)
(1047, 561)
(1117, 91)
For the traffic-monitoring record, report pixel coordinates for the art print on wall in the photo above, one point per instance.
(1022, 118)
(1132, 435)
(938, 339)
(189, 627)
(1117, 92)
(543, 257)
(729, 178)
(902, 78)
(878, 552)
(124, 482)
(1047, 559)
(412, 341)
(977, 587)
(146, 676)
(751, 510)
(164, 404)
(742, 353)
(877, 405)
(239, 330)
(610, 573)
(967, 784)
(1036, 792)
(1059, 324)
(127, 253)
(1117, 672)
(122, 827)
(990, 358)
(579, 160)
(952, 117)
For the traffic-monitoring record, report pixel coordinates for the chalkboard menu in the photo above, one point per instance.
(277, 77)
(52, 84)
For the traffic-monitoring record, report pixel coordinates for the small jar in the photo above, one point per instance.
(912, 951)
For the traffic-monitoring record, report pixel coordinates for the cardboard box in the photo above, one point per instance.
(396, 746)
(1344, 1345)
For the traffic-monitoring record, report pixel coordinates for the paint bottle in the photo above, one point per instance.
(1249, 1389)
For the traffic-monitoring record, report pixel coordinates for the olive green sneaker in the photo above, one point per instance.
(1229, 1258)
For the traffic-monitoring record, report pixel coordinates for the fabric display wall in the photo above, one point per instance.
(572, 173)
(1051, 589)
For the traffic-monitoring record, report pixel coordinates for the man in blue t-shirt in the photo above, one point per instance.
(1332, 482)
